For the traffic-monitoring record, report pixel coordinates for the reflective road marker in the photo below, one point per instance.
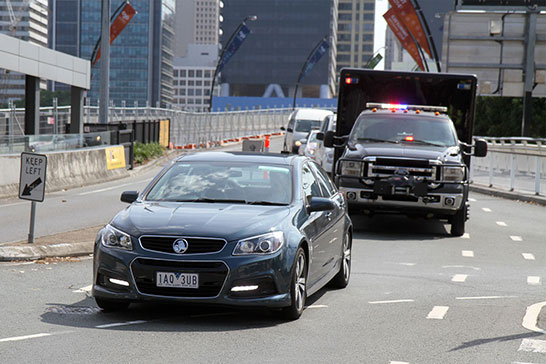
(516, 238)
(459, 278)
(486, 209)
(438, 312)
(501, 223)
(528, 256)
(467, 253)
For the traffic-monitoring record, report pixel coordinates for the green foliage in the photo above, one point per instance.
(501, 117)
(144, 152)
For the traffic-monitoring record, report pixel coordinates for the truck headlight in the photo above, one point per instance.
(455, 174)
(351, 168)
(263, 244)
(114, 238)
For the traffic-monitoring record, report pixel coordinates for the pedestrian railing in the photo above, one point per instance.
(513, 164)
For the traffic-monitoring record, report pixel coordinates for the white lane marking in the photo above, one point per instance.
(460, 266)
(398, 362)
(531, 317)
(84, 289)
(459, 278)
(317, 306)
(407, 264)
(516, 238)
(13, 204)
(533, 280)
(437, 313)
(26, 337)
(472, 199)
(486, 209)
(111, 188)
(528, 256)
(467, 253)
(484, 297)
(116, 324)
(501, 223)
(533, 346)
(465, 236)
(16, 264)
(392, 301)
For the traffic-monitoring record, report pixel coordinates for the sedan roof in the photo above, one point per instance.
(249, 157)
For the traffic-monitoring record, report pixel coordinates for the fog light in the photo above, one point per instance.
(244, 288)
(449, 201)
(119, 282)
(351, 195)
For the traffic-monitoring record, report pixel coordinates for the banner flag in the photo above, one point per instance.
(234, 46)
(403, 36)
(407, 14)
(121, 18)
(321, 50)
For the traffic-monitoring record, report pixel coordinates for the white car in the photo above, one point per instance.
(325, 155)
(300, 123)
(309, 148)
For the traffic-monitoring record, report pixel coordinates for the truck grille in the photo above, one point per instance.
(211, 277)
(164, 244)
(386, 167)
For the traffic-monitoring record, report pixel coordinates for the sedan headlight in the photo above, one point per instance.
(262, 244)
(114, 238)
(351, 168)
(455, 174)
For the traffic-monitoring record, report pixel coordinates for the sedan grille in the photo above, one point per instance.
(164, 244)
(211, 277)
(386, 167)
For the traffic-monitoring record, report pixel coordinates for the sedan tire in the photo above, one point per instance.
(298, 288)
(111, 305)
(341, 279)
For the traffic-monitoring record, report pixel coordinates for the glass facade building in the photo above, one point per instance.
(141, 57)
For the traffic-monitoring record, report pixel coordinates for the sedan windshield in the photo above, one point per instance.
(419, 130)
(305, 126)
(247, 183)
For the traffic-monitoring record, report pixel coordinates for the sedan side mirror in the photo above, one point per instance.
(320, 204)
(283, 128)
(129, 196)
(480, 148)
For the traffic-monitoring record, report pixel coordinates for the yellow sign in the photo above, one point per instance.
(115, 157)
(164, 127)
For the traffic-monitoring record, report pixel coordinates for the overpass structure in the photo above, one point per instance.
(37, 62)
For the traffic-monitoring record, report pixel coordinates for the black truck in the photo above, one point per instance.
(403, 143)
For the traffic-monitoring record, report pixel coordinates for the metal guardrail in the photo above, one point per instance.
(513, 164)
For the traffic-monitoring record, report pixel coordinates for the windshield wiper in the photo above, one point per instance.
(422, 142)
(374, 140)
(266, 203)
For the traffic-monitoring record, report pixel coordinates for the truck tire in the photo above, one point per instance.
(458, 221)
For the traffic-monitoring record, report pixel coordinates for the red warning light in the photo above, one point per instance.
(409, 138)
(351, 80)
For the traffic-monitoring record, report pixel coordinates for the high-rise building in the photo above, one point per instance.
(196, 52)
(27, 21)
(270, 59)
(141, 57)
(355, 33)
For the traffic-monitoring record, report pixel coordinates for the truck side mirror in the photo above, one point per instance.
(480, 148)
(320, 135)
(329, 139)
(290, 130)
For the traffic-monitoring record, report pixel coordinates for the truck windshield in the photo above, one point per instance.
(305, 126)
(422, 129)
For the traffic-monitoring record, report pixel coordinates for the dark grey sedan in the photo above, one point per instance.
(261, 230)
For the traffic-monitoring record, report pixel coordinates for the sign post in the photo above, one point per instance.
(32, 182)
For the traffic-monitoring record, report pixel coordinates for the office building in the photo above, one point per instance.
(141, 57)
(27, 21)
(283, 35)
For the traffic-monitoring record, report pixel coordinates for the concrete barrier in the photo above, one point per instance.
(66, 169)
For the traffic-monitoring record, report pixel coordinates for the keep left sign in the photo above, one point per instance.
(32, 179)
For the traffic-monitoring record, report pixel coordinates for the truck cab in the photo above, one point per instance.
(404, 158)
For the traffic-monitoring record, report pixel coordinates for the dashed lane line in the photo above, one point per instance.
(391, 301)
(530, 319)
(437, 313)
(33, 336)
(501, 223)
(472, 199)
(467, 253)
(486, 209)
(117, 324)
(533, 280)
(516, 238)
(528, 256)
(484, 297)
(84, 289)
(459, 278)
(533, 346)
(398, 362)
(465, 236)
(317, 306)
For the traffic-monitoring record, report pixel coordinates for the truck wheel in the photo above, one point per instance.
(457, 222)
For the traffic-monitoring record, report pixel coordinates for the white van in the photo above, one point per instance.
(300, 123)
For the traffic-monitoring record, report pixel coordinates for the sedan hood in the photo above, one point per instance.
(228, 221)
(443, 154)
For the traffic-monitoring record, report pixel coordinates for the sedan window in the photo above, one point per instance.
(309, 183)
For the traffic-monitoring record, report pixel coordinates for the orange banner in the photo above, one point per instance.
(403, 36)
(119, 23)
(407, 14)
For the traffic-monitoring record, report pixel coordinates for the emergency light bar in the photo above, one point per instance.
(378, 105)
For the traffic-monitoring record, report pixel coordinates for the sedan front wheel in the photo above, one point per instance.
(298, 288)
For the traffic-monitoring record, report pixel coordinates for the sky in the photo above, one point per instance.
(381, 7)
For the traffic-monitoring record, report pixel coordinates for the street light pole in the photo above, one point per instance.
(104, 92)
(251, 18)
(303, 69)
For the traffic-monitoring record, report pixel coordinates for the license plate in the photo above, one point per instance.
(177, 280)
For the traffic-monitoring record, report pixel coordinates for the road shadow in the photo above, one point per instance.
(477, 342)
(167, 317)
(397, 227)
